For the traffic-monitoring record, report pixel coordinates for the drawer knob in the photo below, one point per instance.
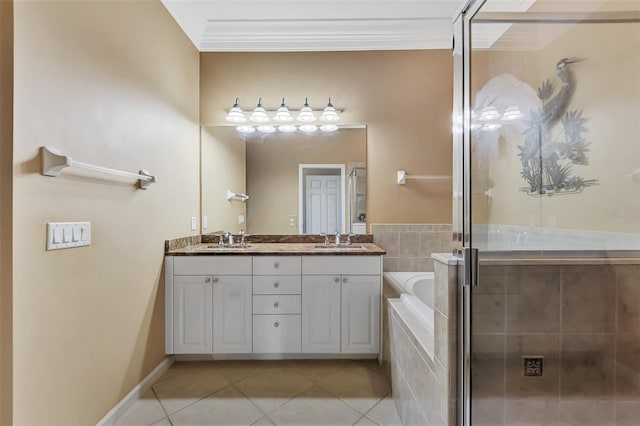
(336, 280)
(207, 280)
(215, 280)
(276, 284)
(275, 305)
(276, 265)
(276, 324)
(345, 280)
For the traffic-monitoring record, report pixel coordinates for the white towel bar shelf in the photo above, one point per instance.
(234, 196)
(53, 162)
(403, 176)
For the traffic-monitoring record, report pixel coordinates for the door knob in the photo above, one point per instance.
(276, 265)
(336, 280)
(275, 305)
(276, 324)
(207, 280)
(276, 284)
(345, 280)
(215, 280)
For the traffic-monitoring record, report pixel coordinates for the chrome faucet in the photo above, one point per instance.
(243, 238)
(326, 238)
(338, 235)
(349, 238)
(229, 236)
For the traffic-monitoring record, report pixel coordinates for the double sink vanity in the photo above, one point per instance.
(292, 297)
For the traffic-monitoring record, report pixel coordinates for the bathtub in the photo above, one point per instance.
(415, 305)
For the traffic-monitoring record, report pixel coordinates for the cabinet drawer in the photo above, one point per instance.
(277, 334)
(353, 265)
(277, 304)
(276, 265)
(274, 284)
(212, 265)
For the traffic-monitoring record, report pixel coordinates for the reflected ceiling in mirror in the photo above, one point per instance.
(282, 198)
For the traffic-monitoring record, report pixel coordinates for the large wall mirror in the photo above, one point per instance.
(297, 183)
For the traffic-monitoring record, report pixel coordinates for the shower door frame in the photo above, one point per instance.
(463, 247)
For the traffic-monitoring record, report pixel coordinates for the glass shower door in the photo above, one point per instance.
(548, 162)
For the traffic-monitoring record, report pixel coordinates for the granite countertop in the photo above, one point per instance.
(278, 249)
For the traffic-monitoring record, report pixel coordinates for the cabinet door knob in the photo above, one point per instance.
(275, 305)
(276, 324)
(276, 265)
(276, 284)
(207, 280)
(345, 280)
(336, 280)
(215, 280)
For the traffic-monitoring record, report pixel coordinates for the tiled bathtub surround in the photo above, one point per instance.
(424, 386)
(409, 247)
(583, 319)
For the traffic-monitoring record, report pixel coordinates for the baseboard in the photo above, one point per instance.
(138, 390)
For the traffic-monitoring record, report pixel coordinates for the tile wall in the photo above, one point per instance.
(583, 319)
(424, 387)
(409, 247)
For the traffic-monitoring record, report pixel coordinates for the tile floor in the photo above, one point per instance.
(293, 392)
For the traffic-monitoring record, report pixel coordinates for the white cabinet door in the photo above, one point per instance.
(232, 314)
(321, 314)
(360, 313)
(192, 314)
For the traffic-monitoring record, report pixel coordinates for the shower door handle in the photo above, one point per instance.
(471, 266)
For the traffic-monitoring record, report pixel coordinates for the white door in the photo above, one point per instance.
(360, 313)
(192, 314)
(321, 314)
(232, 314)
(323, 204)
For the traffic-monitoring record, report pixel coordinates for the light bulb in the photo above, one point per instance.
(306, 113)
(259, 115)
(308, 128)
(235, 114)
(287, 128)
(246, 129)
(266, 129)
(489, 113)
(328, 127)
(512, 113)
(329, 115)
(282, 114)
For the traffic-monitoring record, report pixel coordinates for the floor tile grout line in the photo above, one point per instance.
(195, 402)
(264, 414)
(166, 415)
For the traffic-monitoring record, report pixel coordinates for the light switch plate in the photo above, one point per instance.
(62, 235)
(240, 219)
(194, 223)
(205, 222)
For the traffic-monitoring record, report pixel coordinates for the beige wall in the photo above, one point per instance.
(404, 98)
(116, 84)
(607, 90)
(272, 173)
(223, 168)
(6, 188)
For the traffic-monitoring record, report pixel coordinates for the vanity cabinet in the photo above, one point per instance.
(193, 314)
(276, 304)
(208, 305)
(321, 314)
(341, 304)
(328, 304)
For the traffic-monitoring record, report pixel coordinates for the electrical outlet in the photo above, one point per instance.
(292, 221)
(240, 219)
(205, 222)
(194, 223)
(532, 366)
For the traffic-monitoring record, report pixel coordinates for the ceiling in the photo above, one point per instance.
(315, 25)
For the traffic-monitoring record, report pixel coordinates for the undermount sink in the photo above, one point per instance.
(225, 247)
(339, 248)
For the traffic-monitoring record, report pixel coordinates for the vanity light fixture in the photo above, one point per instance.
(235, 114)
(246, 129)
(282, 114)
(266, 129)
(308, 128)
(489, 113)
(259, 115)
(329, 115)
(306, 113)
